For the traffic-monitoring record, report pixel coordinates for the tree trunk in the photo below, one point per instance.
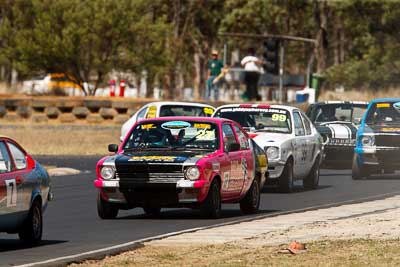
(321, 19)
(342, 44)
(197, 76)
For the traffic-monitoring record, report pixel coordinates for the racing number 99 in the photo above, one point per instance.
(278, 117)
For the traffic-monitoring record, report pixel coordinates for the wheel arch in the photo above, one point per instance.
(36, 196)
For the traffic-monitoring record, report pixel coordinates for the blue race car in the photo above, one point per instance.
(24, 192)
(378, 139)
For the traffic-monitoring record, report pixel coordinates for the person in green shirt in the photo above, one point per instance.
(214, 67)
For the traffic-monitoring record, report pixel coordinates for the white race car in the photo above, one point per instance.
(167, 109)
(292, 144)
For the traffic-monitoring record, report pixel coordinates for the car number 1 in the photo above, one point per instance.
(11, 192)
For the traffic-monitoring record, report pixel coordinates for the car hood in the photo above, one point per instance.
(383, 129)
(270, 139)
(172, 157)
(338, 130)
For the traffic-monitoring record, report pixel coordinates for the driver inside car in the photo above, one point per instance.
(327, 114)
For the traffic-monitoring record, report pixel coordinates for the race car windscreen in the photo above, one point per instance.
(186, 111)
(384, 114)
(260, 119)
(173, 135)
(340, 112)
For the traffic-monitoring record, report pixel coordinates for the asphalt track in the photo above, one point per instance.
(71, 224)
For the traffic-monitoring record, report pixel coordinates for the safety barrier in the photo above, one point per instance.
(72, 110)
(86, 110)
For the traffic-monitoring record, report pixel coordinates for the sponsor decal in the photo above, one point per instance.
(244, 168)
(388, 129)
(215, 166)
(266, 110)
(11, 192)
(172, 125)
(202, 125)
(148, 126)
(278, 117)
(396, 105)
(383, 105)
(208, 111)
(226, 180)
(152, 112)
(154, 158)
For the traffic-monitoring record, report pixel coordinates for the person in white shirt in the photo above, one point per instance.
(252, 67)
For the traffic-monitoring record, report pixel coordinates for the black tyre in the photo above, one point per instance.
(106, 210)
(358, 171)
(32, 228)
(211, 207)
(251, 202)
(285, 182)
(152, 211)
(312, 180)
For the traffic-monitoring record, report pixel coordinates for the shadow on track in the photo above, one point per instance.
(383, 177)
(188, 214)
(15, 244)
(296, 189)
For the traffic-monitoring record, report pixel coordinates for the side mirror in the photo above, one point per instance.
(233, 147)
(113, 148)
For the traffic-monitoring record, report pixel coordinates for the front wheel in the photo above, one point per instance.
(31, 231)
(312, 180)
(358, 171)
(106, 210)
(285, 182)
(211, 207)
(251, 202)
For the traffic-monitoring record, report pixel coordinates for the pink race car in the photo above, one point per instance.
(181, 162)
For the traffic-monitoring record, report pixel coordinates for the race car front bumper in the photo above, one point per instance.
(181, 192)
(275, 169)
(385, 157)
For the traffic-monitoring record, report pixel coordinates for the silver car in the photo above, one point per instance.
(292, 144)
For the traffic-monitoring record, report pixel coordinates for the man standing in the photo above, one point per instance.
(214, 67)
(251, 65)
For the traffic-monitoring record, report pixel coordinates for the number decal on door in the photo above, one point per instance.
(11, 193)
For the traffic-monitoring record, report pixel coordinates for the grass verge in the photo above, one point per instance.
(359, 95)
(63, 140)
(360, 252)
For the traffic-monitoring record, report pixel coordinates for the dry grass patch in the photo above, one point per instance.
(63, 140)
(323, 253)
(359, 95)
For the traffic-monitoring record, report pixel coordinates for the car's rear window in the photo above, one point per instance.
(182, 110)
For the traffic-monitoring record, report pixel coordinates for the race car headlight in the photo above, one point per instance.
(272, 152)
(367, 140)
(107, 172)
(192, 173)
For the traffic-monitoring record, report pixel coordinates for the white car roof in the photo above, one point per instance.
(162, 103)
(342, 102)
(288, 108)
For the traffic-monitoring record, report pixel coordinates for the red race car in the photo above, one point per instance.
(181, 162)
(24, 192)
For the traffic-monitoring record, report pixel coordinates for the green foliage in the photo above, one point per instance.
(89, 38)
